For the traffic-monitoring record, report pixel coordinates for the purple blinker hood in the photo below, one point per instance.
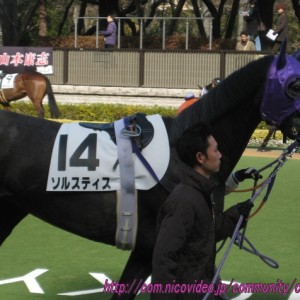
(277, 105)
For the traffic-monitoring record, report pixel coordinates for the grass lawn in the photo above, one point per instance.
(69, 259)
(274, 231)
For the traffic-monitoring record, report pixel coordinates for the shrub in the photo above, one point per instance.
(111, 112)
(95, 112)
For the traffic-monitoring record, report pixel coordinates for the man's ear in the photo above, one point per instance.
(200, 157)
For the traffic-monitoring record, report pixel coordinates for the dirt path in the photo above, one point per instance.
(272, 153)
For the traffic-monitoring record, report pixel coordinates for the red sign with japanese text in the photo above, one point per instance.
(20, 59)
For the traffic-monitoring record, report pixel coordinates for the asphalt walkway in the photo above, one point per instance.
(121, 95)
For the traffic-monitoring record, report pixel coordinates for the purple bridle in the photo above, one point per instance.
(277, 102)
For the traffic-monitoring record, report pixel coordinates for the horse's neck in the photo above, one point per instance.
(233, 133)
(231, 108)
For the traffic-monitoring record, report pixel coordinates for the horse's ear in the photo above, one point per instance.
(296, 55)
(281, 62)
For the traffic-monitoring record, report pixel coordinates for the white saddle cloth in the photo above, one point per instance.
(8, 81)
(83, 159)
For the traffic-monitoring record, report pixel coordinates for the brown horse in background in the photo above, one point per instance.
(34, 85)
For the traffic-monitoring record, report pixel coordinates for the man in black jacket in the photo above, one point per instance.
(252, 19)
(188, 228)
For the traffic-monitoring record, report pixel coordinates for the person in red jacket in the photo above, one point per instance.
(189, 99)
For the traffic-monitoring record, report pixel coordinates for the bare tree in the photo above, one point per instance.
(42, 19)
(296, 7)
(80, 24)
(27, 12)
(219, 11)
(199, 21)
(216, 15)
(232, 19)
(176, 14)
(8, 19)
(65, 16)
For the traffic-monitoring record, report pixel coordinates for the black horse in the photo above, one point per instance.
(232, 109)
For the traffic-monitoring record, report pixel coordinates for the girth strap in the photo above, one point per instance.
(127, 196)
(2, 96)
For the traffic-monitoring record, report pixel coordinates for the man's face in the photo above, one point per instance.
(244, 38)
(209, 163)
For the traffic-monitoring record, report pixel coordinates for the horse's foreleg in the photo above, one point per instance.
(137, 270)
(10, 216)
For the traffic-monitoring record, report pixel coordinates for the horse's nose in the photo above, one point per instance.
(291, 126)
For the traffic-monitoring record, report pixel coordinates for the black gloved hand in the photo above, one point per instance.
(244, 208)
(274, 32)
(243, 174)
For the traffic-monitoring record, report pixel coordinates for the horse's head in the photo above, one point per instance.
(281, 102)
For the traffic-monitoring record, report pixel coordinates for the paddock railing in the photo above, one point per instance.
(145, 68)
(186, 25)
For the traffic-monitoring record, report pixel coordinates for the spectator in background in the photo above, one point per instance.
(190, 98)
(216, 81)
(252, 20)
(281, 28)
(110, 34)
(244, 44)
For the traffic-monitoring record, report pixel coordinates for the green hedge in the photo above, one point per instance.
(94, 112)
(99, 112)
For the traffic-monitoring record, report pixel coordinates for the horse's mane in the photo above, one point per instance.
(241, 86)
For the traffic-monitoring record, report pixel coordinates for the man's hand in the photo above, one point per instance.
(235, 178)
(243, 174)
(244, 208)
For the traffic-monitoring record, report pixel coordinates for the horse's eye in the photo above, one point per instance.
(293, 89)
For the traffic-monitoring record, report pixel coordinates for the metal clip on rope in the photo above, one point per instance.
(131, 131)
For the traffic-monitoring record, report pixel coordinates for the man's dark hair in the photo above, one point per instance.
(192, 141)
(112, 16)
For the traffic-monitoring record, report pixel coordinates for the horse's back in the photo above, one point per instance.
(32, 75)
(24, 136)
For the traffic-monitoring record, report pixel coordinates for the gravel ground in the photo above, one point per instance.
(121, 95)
(145, 101)
(271, 153)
